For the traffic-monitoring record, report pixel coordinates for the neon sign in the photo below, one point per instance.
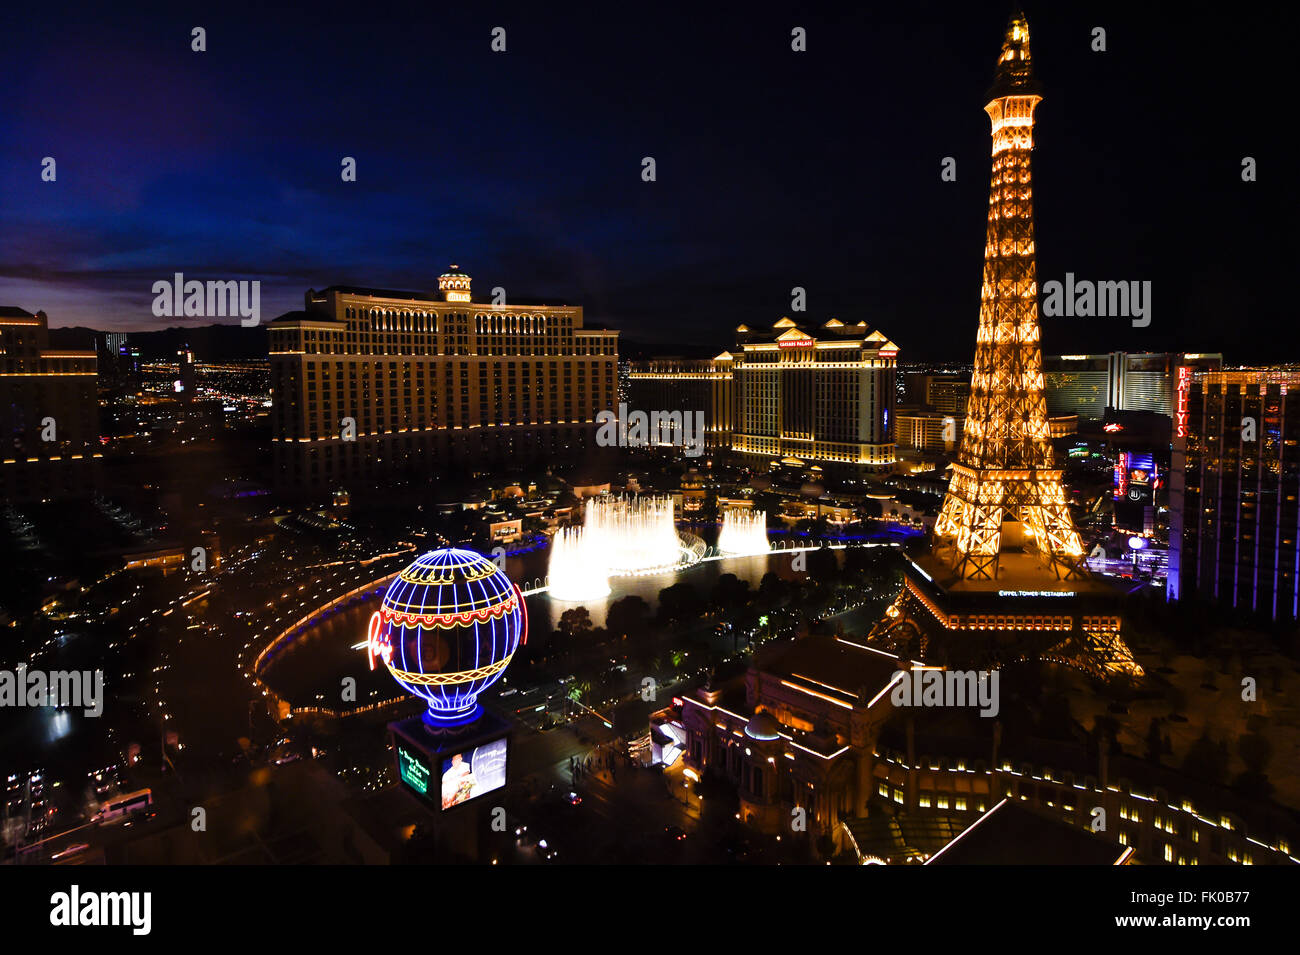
(1035, 593)
(796, 343)
(1121, 476)
(378, 643)
(1184, 386)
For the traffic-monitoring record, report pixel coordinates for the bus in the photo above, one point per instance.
(120, 806)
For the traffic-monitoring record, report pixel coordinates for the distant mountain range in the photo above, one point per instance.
(236, 343)
(207, 342)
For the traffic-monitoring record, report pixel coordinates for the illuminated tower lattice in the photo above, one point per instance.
(1004, 469)
(1004, 582)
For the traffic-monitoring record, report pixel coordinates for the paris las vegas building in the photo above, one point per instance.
(430, 381)
(799, 391)
(808, 727)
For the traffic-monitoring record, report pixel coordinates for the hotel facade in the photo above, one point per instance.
(1234, 493)
(49, 413)
(801, 393)
(1086, 385)
(819, 394)
(369, 383)
(689, 385)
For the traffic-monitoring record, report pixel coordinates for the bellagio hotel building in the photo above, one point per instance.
(368, 384)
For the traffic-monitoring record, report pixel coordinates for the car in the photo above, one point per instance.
(574, 799)
(674, 833)
(70, 851)
(545, 851)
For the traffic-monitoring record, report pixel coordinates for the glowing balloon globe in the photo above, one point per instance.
(447, 628)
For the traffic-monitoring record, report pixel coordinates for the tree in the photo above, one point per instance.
(1155, 745)
(1255, 751)
(1105, 731)
(1206, 761)
(773, 591)
(575, 622)
(730, 592)
(823, 567)
(627, 616)
(679, 603)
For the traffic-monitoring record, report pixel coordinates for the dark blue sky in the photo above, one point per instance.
(775, 169)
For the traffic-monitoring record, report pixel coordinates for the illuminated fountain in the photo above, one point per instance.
(619, 536)
(744, 532)
(578, 568)
(637, 532)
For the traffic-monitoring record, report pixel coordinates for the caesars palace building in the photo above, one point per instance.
(368, 383)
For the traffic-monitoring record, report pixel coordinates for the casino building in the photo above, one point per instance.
(1087, 385)
(49, 413)
(688, 385)
(796, 732)
(368, 383)
(812, 725)
(820, 394)
(1234, 496)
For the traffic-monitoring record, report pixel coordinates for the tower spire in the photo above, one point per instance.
(1004, 470)
(1015, 69)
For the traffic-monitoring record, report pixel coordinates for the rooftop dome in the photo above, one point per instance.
(763, 726)
(454, 284)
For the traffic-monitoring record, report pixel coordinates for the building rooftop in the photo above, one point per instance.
(1017, 571)
(837, 669)
(1011, 834)
(789, 329)
(902, 838)
(431, 296)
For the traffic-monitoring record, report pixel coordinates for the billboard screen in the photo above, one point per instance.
(413, 769)
(473, 773)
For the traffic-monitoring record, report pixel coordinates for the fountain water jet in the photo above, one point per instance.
(638, 532)
(619, 536)
(744, 532)
(578, 568)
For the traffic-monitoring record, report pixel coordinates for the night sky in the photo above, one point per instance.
(775, 169)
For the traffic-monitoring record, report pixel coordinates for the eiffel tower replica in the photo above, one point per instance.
(1005, 580)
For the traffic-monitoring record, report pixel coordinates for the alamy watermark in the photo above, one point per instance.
(56, 688)
(639, 429)
(75, 908)
(211, 299)
(923, 686)
(1088, 299)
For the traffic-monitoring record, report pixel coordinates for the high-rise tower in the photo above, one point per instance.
(1004, 471)
(1004, 581)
